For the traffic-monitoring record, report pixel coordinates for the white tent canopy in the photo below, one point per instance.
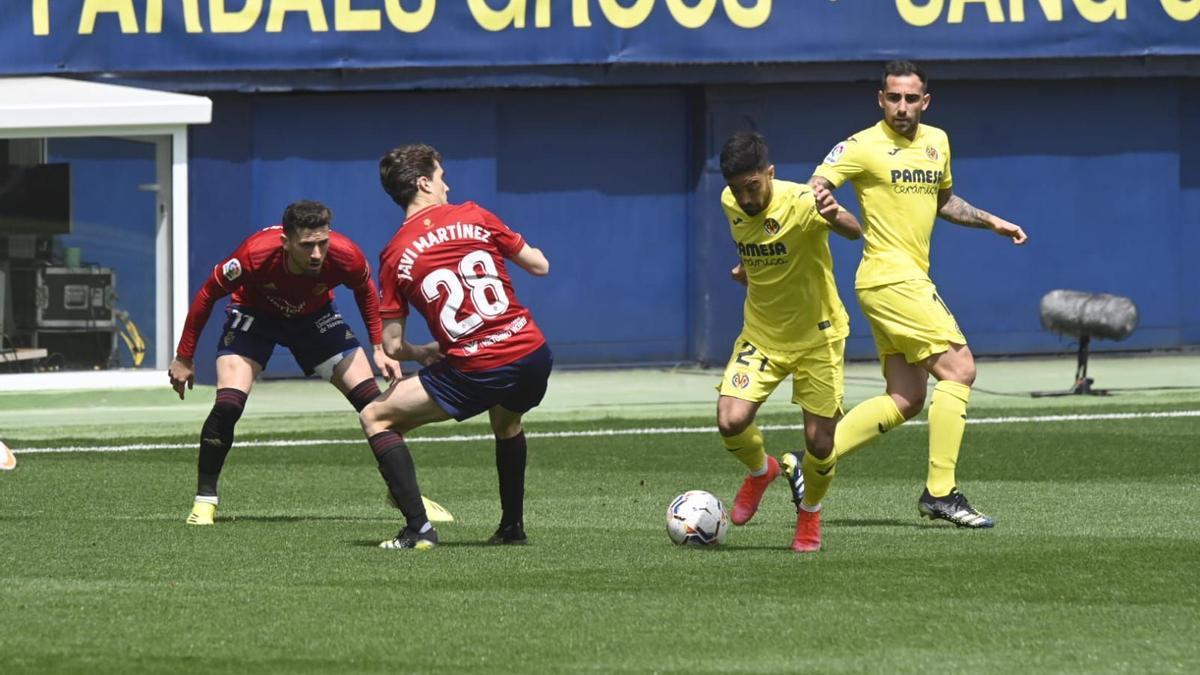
(51, 107)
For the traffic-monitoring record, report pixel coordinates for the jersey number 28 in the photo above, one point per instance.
(477, 272)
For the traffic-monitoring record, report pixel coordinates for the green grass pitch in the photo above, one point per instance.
(1094, 565)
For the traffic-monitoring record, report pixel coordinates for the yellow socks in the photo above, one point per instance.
(818, 474)
(947, 421)
(748, 448)
(866, 422)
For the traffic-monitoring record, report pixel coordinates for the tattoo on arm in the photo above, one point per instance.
(821, 180)
(958, 211)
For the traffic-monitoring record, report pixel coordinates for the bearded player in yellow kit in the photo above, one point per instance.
(794, 324)
(900, 169)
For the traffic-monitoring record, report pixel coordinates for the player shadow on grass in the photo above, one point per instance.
(374, 543)
(872, 522)
(301, 519)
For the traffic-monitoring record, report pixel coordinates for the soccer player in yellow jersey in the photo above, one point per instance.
(900, 169)
(794, 324)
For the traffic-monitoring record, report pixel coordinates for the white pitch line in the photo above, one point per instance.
(588, 433)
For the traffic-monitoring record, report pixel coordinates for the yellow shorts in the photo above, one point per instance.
(909, 318)
(753, 374)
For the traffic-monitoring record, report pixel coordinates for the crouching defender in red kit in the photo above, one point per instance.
(282, 280)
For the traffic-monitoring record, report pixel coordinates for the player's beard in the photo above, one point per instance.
(905, 125)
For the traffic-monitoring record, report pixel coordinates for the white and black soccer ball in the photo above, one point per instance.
(697, 518)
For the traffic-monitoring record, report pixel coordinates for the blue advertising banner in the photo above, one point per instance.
(87, 36)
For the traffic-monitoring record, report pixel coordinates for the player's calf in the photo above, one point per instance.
(363, 393)
(216, 438)
(396, 466)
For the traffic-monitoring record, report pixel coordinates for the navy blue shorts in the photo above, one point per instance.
(518, 386)
(312, 339)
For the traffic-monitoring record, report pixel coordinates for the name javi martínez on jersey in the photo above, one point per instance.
(441, 235)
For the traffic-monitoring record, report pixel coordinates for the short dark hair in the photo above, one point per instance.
(400, 168)
(744, 151)
(900, 68)
(306, 214)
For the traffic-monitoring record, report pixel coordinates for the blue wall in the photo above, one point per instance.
(580, 173)
(620, 188)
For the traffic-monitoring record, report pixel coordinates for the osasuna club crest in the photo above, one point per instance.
(771, 226)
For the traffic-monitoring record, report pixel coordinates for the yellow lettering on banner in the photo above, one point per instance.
(346, 18)
(41, 17)
(122, 8)
(916, 14)
(279, 8)
(1182, 10)
(1051, 9)
(498, 19)
(748, 17)
(626, 17)
(1099, 11)
(191, 16)
(225, 21)
(692, 17)
(406, 21)
(541, 14)
(995, 13)
(579, 14)
(153, 16)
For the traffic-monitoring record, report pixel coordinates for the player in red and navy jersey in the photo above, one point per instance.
(448, 263)
(282, 280)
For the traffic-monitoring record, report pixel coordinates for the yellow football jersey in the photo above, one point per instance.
(897, 183)
(792, 302)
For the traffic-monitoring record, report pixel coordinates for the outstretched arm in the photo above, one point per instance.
(532, 260)
(955, 209)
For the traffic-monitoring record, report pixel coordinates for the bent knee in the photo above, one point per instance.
(820, 444)
(910, 404)
(372, 420)
(968, 375)
(506, 431)
(731, 425)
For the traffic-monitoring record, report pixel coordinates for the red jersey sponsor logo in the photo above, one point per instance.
(259, 277)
